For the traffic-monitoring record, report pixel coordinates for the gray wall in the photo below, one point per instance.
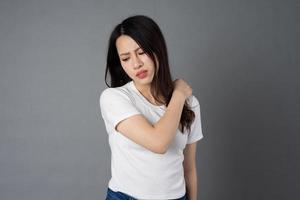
(240, 57)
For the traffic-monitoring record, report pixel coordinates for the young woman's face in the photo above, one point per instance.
(134, 60)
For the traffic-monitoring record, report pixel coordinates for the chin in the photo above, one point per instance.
(143, 82)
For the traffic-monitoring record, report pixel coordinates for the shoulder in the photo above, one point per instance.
(110, 94)
(193, 101)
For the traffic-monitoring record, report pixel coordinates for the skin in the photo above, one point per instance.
(190, 170)
(133, 59)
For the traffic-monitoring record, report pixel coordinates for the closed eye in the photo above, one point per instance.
(125, 59)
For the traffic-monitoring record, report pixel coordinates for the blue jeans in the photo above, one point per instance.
(112, 195)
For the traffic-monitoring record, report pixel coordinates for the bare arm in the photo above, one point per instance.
(157, 137)
(165, 129)
(190, 170)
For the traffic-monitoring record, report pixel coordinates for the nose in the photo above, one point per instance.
(137, 62)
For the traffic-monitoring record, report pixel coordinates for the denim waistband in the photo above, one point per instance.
(112, 195)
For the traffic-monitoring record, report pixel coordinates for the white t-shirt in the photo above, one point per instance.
(135, 170)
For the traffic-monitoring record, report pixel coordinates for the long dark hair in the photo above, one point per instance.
(149, 37)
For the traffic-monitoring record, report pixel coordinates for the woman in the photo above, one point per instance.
(153, 123)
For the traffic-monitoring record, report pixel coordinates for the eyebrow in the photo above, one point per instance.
(128, 52)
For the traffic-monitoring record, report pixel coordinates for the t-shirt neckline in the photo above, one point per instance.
(131, 84)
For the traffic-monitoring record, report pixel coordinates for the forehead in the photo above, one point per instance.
(125, 44)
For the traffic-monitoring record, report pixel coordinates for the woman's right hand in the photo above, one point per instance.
(183, 87)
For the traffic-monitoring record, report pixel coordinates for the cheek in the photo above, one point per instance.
(125, 65)
(126, 68)
(148, 60)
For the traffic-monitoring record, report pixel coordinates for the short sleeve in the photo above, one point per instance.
(115, 106)
(196, 127)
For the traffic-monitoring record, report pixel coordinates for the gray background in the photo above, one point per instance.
(240, 57)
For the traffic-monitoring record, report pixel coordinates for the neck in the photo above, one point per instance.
(144, 89)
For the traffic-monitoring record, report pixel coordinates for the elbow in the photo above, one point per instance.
(160, 146)
(160, 149)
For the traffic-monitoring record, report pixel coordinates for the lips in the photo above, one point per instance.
(140, 72)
